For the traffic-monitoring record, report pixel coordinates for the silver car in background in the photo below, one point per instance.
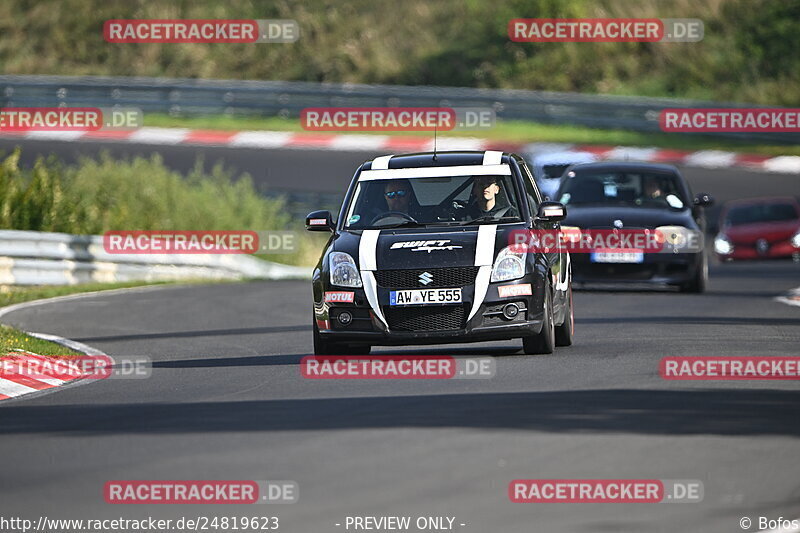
(548, 166)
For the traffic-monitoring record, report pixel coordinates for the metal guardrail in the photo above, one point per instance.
(191, 97)
(39, 258)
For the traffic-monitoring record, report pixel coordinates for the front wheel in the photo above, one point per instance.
(544, 341)
(698, 282)
(565, 331)
(325, 347)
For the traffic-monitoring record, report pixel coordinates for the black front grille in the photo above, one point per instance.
(441, 278)
(425, 318)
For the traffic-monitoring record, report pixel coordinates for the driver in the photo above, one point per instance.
(398, 195)
(484, 193)
(400, 198)
(652, 189)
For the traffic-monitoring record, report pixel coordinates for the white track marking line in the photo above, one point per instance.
(260, 139)
(159, 135)
(13, 389)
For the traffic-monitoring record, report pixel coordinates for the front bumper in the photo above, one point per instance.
(661, 268)
(776, 250)
(435, 323)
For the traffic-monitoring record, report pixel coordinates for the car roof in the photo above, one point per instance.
(626, 166)
(443, 159)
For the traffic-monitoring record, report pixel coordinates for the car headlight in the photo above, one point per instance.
(796, 239)
(344, 272)
(509, 265)
(722, 245)
(677, 236)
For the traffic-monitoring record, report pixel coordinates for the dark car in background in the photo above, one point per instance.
(619, 196)
(759, 228)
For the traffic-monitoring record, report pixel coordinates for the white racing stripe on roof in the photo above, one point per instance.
(492, 157)
(381, 163)
(435, 172)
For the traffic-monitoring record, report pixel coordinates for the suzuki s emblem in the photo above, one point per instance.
(425, 278)
(618, 224)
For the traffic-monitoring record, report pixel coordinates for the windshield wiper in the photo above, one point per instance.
(487, 218)
(405, 223)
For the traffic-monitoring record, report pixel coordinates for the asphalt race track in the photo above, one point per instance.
(226, 401)
(326, 171)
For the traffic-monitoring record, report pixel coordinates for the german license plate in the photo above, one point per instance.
(425, 296)
(617, 257)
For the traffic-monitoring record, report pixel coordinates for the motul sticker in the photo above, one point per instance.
(339, 296)
(506, 291)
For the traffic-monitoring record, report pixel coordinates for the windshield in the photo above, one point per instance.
(554, 171)
(753, 214)
(634, 189)
(445, 201)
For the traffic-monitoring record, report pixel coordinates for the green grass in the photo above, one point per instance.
(512, 131)
(13, 339)
(101, 194)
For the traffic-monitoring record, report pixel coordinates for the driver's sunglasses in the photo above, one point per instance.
(399, 194)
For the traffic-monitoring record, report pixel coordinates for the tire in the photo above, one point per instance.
(698, 283)
(323, 347)
(544, 341)
(565, 331)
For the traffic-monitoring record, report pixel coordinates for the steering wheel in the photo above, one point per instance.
(394, 213)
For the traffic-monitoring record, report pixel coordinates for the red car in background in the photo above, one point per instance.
(759, 228)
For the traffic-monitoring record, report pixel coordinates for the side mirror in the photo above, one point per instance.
(320, 221)
(551, 212)
(703, 200)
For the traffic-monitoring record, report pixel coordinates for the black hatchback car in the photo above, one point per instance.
(421, 254)
(618, 196)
